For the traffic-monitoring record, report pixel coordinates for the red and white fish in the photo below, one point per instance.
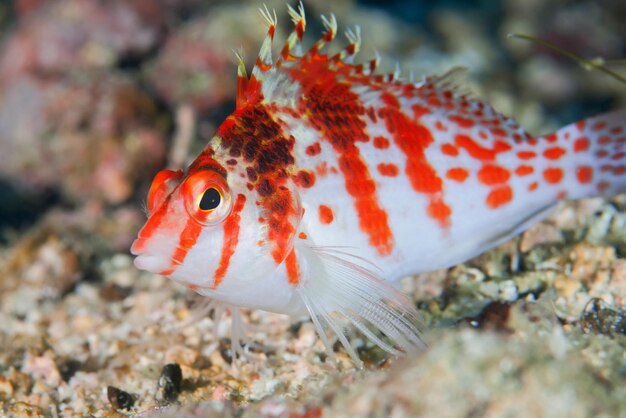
(329, 183)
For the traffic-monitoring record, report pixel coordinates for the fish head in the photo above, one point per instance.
(197, 221)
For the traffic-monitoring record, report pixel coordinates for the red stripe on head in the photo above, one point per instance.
(187, 239)
(148, 230)
(231, 239)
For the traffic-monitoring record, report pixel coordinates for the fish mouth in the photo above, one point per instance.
(151, 263)
(138, 246)
(146, 261)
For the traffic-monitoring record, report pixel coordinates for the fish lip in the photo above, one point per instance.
(135, 248)
(148, 262)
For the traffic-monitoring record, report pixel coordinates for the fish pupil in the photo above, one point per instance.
(211, 199)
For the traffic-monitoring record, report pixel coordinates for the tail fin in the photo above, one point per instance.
(587, 158)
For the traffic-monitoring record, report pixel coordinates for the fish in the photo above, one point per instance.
(329, 182)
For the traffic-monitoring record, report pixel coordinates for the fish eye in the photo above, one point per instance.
(211, 199)
(207, 197)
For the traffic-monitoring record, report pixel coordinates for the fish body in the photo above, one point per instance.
(329, 182)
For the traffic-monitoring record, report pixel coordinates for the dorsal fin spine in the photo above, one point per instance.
(293, 46)
(242, 78)
(330, 26)
(347, 54)
(264, 60)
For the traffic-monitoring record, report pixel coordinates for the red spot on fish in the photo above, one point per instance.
(498, 132)
(553, 175)
(618, 156)
(500, 196)
(231, 239)
(322, 169)
(602, 153)
(326, 214)
(293, 271)
(419, 111)
(462, 122)
(314, 149)
(533, 186)
(604, 140)
(477, 151)
(581, 144)
(598, 126)
(381, 142)
(554, 153)
(440, 126)
(304, 179)
(390, 100)
(561, 195)
(388, 170)
(371, 113)
(449, 149)
(551, 138)
(457, 174)
(302, 235)
(439, 210)
(603, 186)
(493, 174)
(526, 155)
(584, 174)
(524, 170)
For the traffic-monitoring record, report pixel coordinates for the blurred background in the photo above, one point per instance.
(93, 94)
(89, 89)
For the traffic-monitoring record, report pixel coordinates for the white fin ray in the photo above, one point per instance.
(241, 65)
(264, 59)
(453, 80)
(337, 289)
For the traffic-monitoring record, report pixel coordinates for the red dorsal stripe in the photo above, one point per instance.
(335, 111)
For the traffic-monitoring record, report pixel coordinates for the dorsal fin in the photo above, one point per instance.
(242, 78)
(264, 59)
(275, 74)
(292, 48)
(249, 89)
(347, 54)
(330, 31)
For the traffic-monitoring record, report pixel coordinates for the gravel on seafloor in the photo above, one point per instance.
(535, 327)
